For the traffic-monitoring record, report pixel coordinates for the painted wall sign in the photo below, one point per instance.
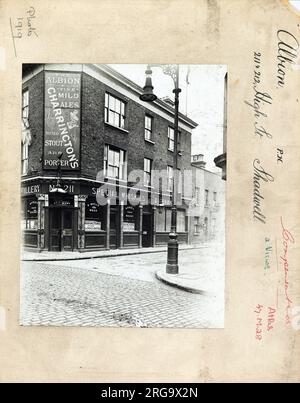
(92, 226)
(32, 208)
(92, 210)
(128, 226)
(30, 189)
(129, 214)
(62, 120)
(67, 188)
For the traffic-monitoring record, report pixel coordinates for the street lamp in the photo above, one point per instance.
(58, 188)
(148, 96)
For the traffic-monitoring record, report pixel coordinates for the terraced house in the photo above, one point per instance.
(84, 129)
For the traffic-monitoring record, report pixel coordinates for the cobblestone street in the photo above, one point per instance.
(119, 291)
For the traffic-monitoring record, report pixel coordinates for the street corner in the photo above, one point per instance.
(183, 281)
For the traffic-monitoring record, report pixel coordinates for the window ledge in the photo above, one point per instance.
(150, 141)
(112, 180)
(102, 231)
(131, 232)
(117, 127)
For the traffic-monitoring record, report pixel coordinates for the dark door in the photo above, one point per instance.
(114, 235)
(67, 229)
(55, 229)
(61, 229)
(147, 230)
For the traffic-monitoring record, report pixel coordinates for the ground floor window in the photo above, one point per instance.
(163, 220)
(30, 213)
(197, 225)
(160, 220)
(181, 221)
(213, 227)
(130, 218)
(95, 215)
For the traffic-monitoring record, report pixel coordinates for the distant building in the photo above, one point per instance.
(208, 204)
(221, 160)
(78, 120)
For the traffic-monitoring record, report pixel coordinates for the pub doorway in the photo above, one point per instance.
(61, 223)
(114, 235)
(61, 229)
(147, 230)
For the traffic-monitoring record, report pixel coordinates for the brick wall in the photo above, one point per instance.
(36, 115)
(95, 133)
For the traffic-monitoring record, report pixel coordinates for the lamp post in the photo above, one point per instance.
(148, 96)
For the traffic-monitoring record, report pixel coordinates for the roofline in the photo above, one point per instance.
(160, 103)
(27, 68)
(219, 174)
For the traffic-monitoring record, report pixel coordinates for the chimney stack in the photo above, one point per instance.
(197, 161)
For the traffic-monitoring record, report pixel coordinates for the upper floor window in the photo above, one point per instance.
(206, 197)
(179, 145)
(25, 106)
(148, 128)
(197, 195)
(179, 180)
(114, 162)
(114, 111)
(197, 226)
(171, 139)
(26, 139)
(214, 199)
(170, 178)
(147, 171)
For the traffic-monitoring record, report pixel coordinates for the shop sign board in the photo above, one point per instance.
(62, 120)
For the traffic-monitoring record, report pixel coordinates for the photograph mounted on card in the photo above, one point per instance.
(128, 195)
(150, 191)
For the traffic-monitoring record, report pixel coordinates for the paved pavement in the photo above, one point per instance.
(52, 256)
(120, 291)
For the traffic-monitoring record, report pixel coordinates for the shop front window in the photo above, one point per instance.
(30, 213)
(130, 218)
(168, 220)
(160, 220)
(163, 220)
(95, 215)
(180, 221)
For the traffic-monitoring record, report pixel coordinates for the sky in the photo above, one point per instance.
(202, 100)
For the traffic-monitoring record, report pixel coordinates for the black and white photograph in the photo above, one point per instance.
(123, 186)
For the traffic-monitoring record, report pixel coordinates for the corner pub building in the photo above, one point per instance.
(77, 120)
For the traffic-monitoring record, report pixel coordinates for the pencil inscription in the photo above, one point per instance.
(21, 27)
